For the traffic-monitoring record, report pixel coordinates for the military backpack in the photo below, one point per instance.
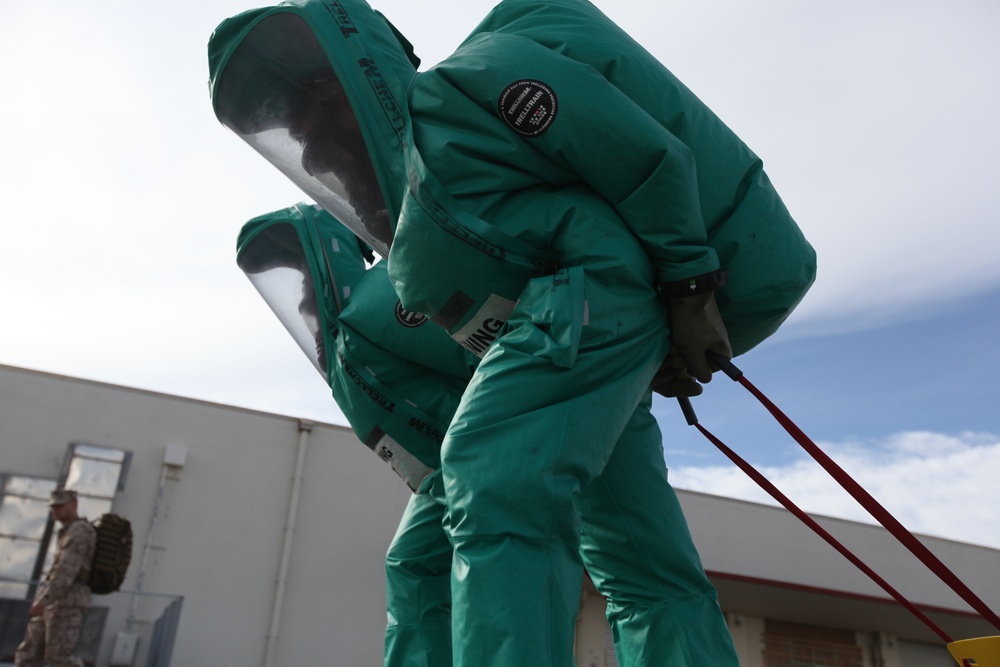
(112, 554)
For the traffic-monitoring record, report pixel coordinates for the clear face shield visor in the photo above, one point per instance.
(280, 94)
(276, 264)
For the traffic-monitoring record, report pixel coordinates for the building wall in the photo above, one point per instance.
(221, 520)
(221, 523)
(767, 563)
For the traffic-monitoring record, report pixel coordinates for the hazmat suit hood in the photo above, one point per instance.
(304, 264)
(319, 89)
(396, 378)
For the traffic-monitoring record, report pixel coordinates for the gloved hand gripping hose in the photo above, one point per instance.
(697, 333)
(989, 645)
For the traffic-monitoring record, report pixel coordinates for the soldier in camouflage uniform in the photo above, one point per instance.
(63, 599)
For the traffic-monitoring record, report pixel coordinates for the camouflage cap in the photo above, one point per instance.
(61, 497)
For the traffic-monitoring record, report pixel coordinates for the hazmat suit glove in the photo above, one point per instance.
(696, 328)
(673, 380)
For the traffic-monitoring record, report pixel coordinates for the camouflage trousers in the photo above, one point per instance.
(51, 638)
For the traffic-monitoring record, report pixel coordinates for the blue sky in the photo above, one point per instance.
(908, 409)
(939, 372)
(877, 121)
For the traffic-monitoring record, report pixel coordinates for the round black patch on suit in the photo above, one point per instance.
(528, 107)
(409, 318)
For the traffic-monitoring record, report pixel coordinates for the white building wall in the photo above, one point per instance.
(221, 523)
(748, 638)
(221, 528)
(774, 545)
(769, 565)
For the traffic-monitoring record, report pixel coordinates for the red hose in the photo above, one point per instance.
(765, 484)
(875, 509)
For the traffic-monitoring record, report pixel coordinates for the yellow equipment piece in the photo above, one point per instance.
(977, 652)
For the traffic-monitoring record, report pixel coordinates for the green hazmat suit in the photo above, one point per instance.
(399, 383)
(532, 193)
(397, 379)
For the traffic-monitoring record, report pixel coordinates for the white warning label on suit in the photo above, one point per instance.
(478, 335)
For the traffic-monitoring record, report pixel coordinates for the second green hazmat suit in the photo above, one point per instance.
(395, 380)
(310, 270)
(531, 201)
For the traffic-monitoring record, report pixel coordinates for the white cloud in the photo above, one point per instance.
(933, 483)
(876, 123)
(122, 194)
